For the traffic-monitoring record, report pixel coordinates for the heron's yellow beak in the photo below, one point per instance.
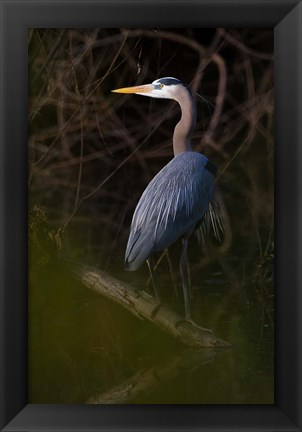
(147, 88)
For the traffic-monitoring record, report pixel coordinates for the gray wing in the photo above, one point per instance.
(174, 201)
(213, 219)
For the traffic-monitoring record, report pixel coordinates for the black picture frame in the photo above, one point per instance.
(16, 18)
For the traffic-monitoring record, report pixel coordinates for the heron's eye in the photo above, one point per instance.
(161, 85)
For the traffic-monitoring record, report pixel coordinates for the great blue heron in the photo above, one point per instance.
(181, 197)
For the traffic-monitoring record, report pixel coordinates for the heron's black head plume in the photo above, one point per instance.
(169, 81)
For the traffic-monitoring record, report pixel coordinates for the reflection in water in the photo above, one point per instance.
(81, 345)
(144, 382)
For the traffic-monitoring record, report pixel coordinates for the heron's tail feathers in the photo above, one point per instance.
(139, 248)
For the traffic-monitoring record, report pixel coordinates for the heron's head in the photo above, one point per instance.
(163, 88)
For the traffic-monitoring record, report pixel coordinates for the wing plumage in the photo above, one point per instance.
(171, 205)
(213, 219)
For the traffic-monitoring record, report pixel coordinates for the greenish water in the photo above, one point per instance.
(85, 349)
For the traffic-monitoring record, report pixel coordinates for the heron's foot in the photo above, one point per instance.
(189, 321)
(199, 327)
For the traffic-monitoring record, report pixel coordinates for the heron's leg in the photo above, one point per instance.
(189, 278)
(184, 277)
(152, 278)
(166, 252)
(159, 261)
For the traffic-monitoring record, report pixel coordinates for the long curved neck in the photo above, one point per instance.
(183, 130)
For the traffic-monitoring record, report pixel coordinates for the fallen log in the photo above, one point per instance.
(145, 307)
